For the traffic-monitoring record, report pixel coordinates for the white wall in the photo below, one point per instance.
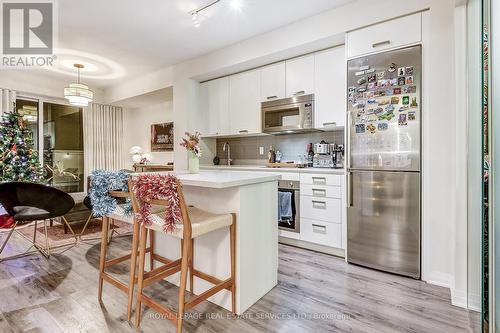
(137, 130)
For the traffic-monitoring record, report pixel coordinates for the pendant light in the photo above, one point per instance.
(78, 94)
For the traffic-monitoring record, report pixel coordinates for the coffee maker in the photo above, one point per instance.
(322, 155)
(337, 152)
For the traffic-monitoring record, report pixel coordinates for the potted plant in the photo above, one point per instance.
(192, 145)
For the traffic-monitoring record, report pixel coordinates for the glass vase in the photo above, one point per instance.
(193, 163)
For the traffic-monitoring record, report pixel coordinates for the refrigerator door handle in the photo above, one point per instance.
(349, 189)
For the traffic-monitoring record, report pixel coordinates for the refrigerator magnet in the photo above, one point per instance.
(389, 108)
(382, 83)
(393, 82)
(379, 93)
(359, 73)
(414, 103)
(372, 78)
(371, 128)
(384, 101)
(382, 126)
(392, 68)
(361, 80)
(412, 115)
(406, 100)
(409, 80)
(402, 119)
(369, 71)
(372, 85)
(401, 71)
(360, 128)
(395, 100)
(403, 108)
(380, 75)
(389, 92)
(397, 91)
(364, 68)
(361, 89)
(409, 70)
(368, 95)
(371, 101)
(411, 89)
(401, 81)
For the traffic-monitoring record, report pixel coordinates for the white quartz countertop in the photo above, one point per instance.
(224, 179)
(277, 170)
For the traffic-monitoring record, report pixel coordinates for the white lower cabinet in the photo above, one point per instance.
(319, 208)
(320, 232)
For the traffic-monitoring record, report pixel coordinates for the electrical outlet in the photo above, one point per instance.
(261, 150)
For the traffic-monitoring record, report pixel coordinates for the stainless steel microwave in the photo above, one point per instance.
(288, 115)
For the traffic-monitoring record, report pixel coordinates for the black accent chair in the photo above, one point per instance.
(29, 202)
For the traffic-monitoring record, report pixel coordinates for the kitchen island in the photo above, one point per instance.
(253, 197)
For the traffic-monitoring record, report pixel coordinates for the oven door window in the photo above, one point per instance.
(283, 117)
(289, 222)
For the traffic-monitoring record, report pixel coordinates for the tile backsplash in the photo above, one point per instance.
(245, 150)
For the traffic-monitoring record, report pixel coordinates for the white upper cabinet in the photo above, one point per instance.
(330, 88)
(387, 35)
(272, 82)
(214, 101)
(300, 76)
(244, 102)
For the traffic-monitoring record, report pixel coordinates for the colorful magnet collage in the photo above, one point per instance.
(380, 93)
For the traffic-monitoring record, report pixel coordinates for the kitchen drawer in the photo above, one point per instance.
(321, 191)
(320, 179)
(387, 35)
(323, 209)
(324, 233)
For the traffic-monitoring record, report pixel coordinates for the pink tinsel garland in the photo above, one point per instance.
(150, 186)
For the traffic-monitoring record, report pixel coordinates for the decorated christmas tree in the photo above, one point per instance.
(18, 160)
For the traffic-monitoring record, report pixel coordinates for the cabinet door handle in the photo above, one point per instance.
(319, 204)
(385, 42)
(271, 97)
(319, 192)
(243, 131)
(319, 229)
(330, 123)
(302, 92)
(321, 180)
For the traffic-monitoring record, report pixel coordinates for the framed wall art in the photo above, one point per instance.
(162, 137)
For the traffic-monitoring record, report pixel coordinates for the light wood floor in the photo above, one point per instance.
(315, 293)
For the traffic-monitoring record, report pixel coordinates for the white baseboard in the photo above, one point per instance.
(459, 298)
(439, 279)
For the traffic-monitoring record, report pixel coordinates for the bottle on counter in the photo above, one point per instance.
(310, 155)
(278, 156)
(271, 155)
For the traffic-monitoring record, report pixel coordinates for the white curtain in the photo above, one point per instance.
(103, 137)
(7, 100)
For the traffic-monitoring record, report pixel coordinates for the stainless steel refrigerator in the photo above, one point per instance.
(384, 159)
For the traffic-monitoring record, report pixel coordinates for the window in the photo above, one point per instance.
(57, 132)
(63, 146)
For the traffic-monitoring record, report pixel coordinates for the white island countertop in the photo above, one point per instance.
(224, 179)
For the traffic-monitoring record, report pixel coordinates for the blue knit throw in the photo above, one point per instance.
(101, 183)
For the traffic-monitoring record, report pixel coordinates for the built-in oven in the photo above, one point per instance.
(295, 114)
(292, 222)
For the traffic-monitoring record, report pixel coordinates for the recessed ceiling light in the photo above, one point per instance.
(236, 4)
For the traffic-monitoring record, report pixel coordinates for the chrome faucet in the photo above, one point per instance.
(228, 148)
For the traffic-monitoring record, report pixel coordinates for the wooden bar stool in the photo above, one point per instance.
(195, 223)
(119, 214)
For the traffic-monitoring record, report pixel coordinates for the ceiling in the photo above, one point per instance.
(119, 39)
